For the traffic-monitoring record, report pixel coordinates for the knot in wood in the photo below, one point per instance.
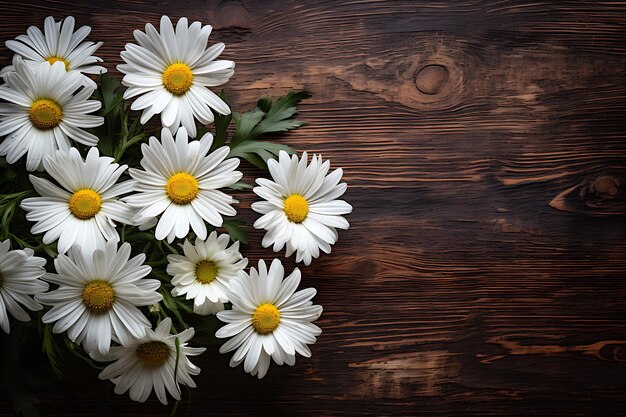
(612, 352)
(431, 79)
(619, 354)
(595, 191)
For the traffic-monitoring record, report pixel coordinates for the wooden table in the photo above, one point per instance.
(483, 142)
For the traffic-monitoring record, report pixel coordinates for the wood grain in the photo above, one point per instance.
(484, 270)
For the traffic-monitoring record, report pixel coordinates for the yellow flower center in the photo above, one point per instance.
(85, 204)
(182, 188)
(98, 296)
(45, 114)
(265, 318)
(177, 78)
(206, 271)
(153, 354)
(296, 208)
(54, 59)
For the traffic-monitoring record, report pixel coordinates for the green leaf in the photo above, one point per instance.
(268, 117)
(121, 130)
(7, 216)
(235, 230)
(173, 305)
(107, 93)
(265, 104)
(80, 353)
(49, 348)
(177, 341)
(4, 198)
(241, 186)
(221, 124)
(280, 116)
(245, 124)
(8, 205)
(258, 152)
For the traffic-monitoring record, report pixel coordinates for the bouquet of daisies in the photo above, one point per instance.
(121, 236)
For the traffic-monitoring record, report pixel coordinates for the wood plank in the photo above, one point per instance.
(475, 279)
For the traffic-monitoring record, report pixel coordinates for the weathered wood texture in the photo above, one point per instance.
(484, 272)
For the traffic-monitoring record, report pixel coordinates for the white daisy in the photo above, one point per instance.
(268, 319)
(44, 112)
(84, 211)
(205, 270)
(171, 72)
(149, 362)
(58, 43)
(301, 210)
(98, 296)
(181, 181)
(20, 271)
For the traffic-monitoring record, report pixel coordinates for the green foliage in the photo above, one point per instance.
(50, 349)
(241, 186)
(221, 124)
(177, 340)
(78, 351)
(108, 94)
(268, 117)
(258, 153)
(121, 129)
(14, 187)
(235, 230)
(175, 306)
(8, 206)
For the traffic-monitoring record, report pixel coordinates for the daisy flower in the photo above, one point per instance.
(301, 209)
(205, 270)
(148, 363)
(57, 43)
(44, 112)
(181, 181)
(20, 271)
(84, 211)
(268, 319)
(98, 296)
(170, 73)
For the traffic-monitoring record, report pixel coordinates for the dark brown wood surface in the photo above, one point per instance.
(484, 146)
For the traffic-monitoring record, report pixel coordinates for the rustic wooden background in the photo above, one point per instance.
(483, 142)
